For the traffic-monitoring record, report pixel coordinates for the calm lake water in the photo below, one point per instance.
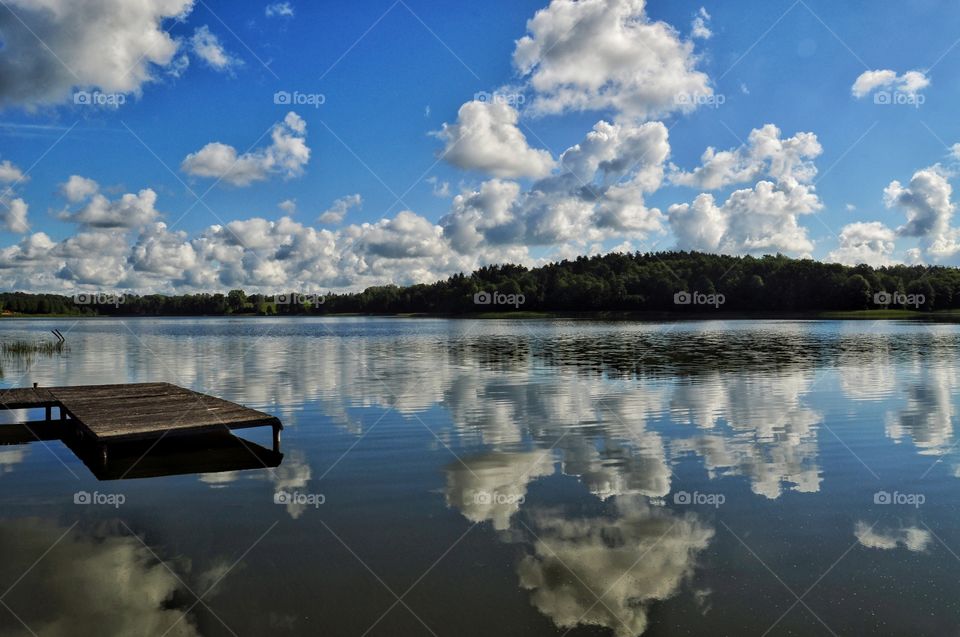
(458, 477)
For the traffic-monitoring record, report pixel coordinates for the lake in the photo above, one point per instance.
(541, 477)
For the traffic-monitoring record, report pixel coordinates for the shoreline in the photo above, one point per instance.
(635, 316)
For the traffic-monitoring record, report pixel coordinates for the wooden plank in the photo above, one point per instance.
(116, 387)
(157, 403)
(83, 393)
(184, 412)
(169, 419)
(25, 398)
(152, 427)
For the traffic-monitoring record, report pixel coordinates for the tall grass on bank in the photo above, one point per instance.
(21, 347)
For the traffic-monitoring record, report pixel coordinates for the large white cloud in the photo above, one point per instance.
(758, 220)
(607, 54)
(865, 242)
(761, 219)
(596, 193)
(287, 155)
(486, 137)
(53, 46)
(765, 153)
(129, 211)
(927, 203)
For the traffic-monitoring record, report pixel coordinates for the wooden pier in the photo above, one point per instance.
(107, 414)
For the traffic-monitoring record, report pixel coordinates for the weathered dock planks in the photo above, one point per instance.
(121, 413)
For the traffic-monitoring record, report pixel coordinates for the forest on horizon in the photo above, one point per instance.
(640, 282)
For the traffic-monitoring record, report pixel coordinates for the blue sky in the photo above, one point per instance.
(441, 131)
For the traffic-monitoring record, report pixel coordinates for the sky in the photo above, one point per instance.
(205, 145)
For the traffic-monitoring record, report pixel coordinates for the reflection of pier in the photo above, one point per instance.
(143, 430)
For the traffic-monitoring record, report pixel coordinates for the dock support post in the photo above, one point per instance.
(276, 438)
(63, 413)
(48, 412)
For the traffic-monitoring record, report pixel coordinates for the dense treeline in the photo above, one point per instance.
(665, 281)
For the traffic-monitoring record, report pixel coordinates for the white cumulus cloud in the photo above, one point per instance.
(765, 153)
(700, 27)
(10, 173)
(207, 47)
(78, 188)
(865, 242)
(910, 83)
(596, 193)
(926, 200)
(54, 46)
(129, 211)
(757, 220)
(335, 213)
(486, 137)
(607, 54)
(286, 156)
